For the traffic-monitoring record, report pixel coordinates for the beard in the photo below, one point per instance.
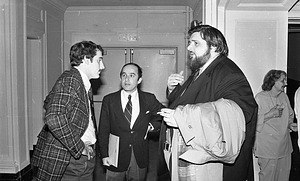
(196, 62)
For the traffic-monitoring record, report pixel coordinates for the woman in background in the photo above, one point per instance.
(273, 146)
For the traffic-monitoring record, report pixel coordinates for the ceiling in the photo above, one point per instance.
(230, 4)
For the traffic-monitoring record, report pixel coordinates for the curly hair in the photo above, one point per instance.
(211, 35)
(83, 49)
(270, 78)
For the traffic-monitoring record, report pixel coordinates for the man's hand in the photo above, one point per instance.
(174, 80)
(106, 161)
(168, 115)
(88, 150)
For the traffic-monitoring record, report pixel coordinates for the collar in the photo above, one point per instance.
(207, 64)
(134, 94)
(85, 79)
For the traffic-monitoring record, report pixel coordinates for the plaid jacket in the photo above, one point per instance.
(66, 119)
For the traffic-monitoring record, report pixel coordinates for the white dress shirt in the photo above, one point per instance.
(89, 136)
(135, 104)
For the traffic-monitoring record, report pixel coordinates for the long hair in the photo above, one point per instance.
(211, 35)
(270, 78)
(81, 49)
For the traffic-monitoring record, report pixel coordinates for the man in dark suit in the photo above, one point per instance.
(214, 77)
(65, 148)
(131, 129)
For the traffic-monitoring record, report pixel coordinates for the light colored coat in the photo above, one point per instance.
(214, 130)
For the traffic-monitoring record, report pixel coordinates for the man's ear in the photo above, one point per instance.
(140, 80)
(213, 49)
(86, 60)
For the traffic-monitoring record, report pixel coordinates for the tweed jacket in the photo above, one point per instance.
(112, 120)
(221, 79)
(66, 119)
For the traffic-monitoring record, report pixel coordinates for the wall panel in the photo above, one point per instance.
(14, 152)
(257, 42)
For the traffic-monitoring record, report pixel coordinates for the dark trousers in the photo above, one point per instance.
(133, 173)
(80, 170)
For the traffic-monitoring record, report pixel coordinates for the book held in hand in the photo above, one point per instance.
(113, 149)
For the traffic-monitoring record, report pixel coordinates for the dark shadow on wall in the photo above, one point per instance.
(293, 74)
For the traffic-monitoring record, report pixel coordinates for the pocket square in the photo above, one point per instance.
(147, 112)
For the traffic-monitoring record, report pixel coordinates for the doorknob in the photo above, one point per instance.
(131, 55)
(125, 53)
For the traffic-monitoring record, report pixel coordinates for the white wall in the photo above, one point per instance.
(44, 64)
(18, 82)
(35, 96)
(257, 42)
(14, 151)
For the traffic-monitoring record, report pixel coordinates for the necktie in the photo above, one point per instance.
(191, 79)
(128, 109)
(196, 74)
(90, 93)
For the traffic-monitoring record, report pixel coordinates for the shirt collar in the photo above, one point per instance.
(133, 94)
(85, 79)
(207, 64)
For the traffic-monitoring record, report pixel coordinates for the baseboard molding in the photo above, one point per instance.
(24, 175)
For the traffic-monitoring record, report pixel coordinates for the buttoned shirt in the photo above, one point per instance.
(89, 135)
(135, 104)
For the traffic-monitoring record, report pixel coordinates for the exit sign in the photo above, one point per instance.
(128, 36)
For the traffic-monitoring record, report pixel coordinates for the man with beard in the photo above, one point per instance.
(209, 127)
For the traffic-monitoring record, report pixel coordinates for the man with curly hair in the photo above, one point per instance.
(65, 148)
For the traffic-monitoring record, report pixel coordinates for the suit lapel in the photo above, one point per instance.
(198, 84)
(143, 108)
(192, 90)
(77, 76)
(117, 107)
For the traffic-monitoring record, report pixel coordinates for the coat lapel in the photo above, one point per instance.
(143, 108)
(117, 107)
(77, 76)
(198, 84)
(192, 90)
